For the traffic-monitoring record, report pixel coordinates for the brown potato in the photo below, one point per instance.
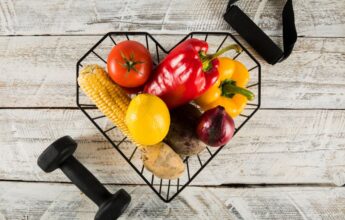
(162, 161)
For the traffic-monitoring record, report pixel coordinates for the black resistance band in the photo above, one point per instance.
(257, 38)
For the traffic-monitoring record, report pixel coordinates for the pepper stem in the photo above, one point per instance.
(229, 89)
(206, 59)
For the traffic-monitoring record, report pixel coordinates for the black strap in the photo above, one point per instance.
(257, 38)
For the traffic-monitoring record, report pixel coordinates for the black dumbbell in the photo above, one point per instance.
(59, 155)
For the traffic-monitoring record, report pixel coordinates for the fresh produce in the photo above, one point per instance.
(129, 64)
(182, 137)
(162, 161)
(229, 90)
(147, 119)
(110, 98)
(215, 127)
(185, 73)
(113, 101)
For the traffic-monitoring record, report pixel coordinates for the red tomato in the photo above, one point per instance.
(134, 90)
(129, 64)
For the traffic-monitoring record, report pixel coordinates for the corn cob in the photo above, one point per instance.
(110, 98)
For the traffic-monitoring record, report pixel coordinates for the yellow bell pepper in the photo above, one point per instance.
(229, 90)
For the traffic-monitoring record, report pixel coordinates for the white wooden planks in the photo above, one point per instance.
(64, 201)
(275, 147)
(313, 18)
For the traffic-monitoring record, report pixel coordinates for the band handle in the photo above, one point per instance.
(258, 39)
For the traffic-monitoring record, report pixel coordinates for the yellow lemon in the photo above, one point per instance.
(147, 119)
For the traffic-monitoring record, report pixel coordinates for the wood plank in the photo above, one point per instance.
(64, 201)
(313, 18)
(286, 203)
(313, 76)
(274, 147)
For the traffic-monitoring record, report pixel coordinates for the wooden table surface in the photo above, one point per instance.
(288, 162)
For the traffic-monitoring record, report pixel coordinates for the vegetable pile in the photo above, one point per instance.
(186, 102)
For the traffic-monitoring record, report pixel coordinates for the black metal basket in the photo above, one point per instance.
(167, 190)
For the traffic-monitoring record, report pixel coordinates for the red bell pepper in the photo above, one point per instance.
(185, 73)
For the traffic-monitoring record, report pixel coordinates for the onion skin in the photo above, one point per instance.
(215, 127)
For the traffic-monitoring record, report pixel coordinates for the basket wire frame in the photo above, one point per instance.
(168, 191)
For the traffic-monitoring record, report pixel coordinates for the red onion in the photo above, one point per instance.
(215, 127)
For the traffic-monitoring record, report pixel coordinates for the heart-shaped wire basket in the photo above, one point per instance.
(167, 190)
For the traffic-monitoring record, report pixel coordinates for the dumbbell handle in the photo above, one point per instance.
(85, 180)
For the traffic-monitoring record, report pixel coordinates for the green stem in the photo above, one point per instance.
(130, 63)
(225, 49)
(206, 59)
(229, 89)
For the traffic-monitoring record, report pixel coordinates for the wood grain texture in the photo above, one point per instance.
(64, 201)
(313, 18)
(275, 147)
(40, 71)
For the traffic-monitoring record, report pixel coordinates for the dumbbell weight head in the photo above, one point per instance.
(56, 153)
(114, 207)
